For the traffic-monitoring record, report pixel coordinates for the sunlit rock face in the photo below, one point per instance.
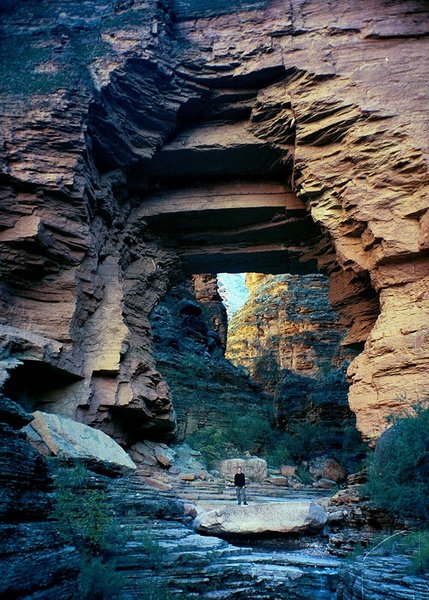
(287, 323)
(289, 339)
(107, 106)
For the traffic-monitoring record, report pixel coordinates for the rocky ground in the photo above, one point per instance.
(245, 566)
(209, 567)
(162, 555)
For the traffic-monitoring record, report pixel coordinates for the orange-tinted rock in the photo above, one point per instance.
(327, 468)
(288, 470)
(287, 323)
(329, 99)
(187, 476)
(391, 375)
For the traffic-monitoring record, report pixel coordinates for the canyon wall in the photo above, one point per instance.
(289, 339)
(104, 104)
(287, 323)
(209, 393)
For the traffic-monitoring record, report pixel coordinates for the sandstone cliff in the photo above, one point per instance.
(289, 339)
(287, 323)
(300, 133)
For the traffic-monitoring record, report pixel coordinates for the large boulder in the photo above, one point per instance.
(296, 516)
(326, 467)
(255, 469)
(54, 435)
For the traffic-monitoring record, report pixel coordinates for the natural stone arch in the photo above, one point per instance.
(360, 165)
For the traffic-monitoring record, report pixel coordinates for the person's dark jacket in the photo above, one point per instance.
(239, 480)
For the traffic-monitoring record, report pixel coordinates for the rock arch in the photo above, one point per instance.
(296, 94)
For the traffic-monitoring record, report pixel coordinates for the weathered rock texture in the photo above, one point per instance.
(106, 104)
(58, 436)
(282, 517)
(34, 561)
(381, 578)
(255, 469)
(287, 323)
(289, 338)
(189, 333)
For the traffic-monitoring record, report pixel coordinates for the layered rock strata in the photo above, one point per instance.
(35, 561)
(287, 323)
(189, 336)
(360, 165)
(289, 338)
(381, 578)
(180, 561)
(107, 102)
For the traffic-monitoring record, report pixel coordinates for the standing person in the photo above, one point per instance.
(240, 486)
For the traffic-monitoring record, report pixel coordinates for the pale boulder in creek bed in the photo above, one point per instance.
(271, 517)
(255, 469)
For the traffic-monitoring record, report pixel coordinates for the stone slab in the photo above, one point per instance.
(255, 469)
(271, 517)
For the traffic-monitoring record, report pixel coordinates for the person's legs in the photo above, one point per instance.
(238, 491)
(243, 493)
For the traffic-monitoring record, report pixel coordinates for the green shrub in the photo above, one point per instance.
(398, 472)
(85, 518)
(249, 433)
(419, 544)
(252, 433)
(153, 550)
(278, 456)
(303, 474)
(213, 443)
(304, 439)
(98, 580)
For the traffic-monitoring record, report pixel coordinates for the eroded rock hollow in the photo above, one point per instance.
(143, 141)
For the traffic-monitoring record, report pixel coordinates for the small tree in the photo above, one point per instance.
(85, 518)
(398, 473)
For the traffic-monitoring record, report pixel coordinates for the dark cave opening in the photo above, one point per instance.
(37, 385)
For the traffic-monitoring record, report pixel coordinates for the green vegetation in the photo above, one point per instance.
(85, 518)
(57, 51)
(257, 436)
(414, 544)
(398, 482)
(418, 542)
(152, 549)
(213, 443)
(249, 433)
(98, 580)
(398, 472)
(201, 387)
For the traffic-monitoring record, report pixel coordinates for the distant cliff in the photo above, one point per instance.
(289, 338)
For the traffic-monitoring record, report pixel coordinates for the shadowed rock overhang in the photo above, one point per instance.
(235, 227)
